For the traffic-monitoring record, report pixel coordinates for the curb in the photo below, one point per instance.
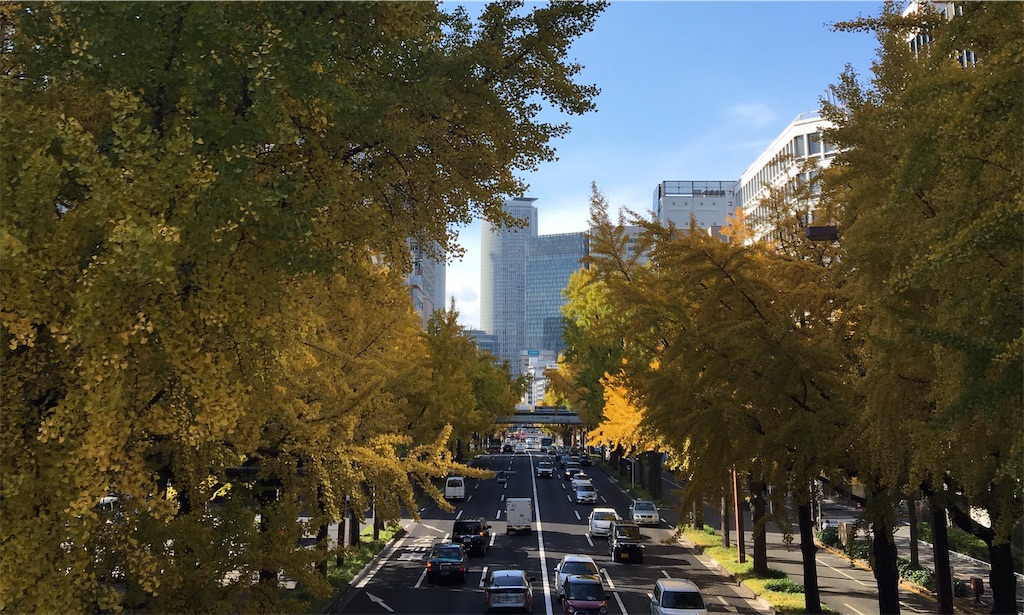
(711, 562)
(346, 594)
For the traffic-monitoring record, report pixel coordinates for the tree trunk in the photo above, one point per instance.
(639, 476)
(887, 574)
(1002, 580)
(912, 518)
(322, 534)
(353, 528)
(812, 599)
(654, 476)
(940, 541)
(759, 553)
(725, 520)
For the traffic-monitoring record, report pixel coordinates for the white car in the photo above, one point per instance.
(643, 512)
(677, 597)
(579, 478)
(586, 494)
(571, 565)
(601, 520)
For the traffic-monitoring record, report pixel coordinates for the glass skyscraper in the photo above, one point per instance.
(550, 261)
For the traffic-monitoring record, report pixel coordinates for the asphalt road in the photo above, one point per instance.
(397, 583)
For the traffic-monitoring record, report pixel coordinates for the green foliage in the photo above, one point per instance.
(829, 536)
(205, 226)
(925, 577)
(784, 586)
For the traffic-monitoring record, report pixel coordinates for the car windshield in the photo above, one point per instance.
(604, 516)
(466, 527)
(644, 506)
(627, 531)
(682, 600)
(582, 590)
(578, 568)
(585, 488)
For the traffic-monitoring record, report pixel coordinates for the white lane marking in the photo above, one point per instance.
(493, 536)
(477, 486)
(431, 527)
(395, 547)
(503, 497)
(568, 497)
(611, 586)
(483, 575)
(604, 500)
(445, 538)
(540, 544)
(670, 526)
(423, 575)
(589, 539)
(667, 575)
(379, 601)
(469, 498)
(498, 515)
(578, 518)
(843, 573)
(852, 609)
(460, 514)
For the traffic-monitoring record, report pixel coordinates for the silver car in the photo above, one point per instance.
(677, 597)
(601, 519)
(572, 564)
(508, 589)
(643, 512)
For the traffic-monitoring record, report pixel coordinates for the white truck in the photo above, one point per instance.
(518, 515)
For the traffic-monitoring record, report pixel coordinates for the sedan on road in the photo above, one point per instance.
(572, 564)
(508, 589)
(545, 469)
(601, 519)
(583, 595)
(446, 562)
(644, 512)
(585, 493)
(677, 597)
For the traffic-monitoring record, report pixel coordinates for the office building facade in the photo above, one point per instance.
(550, 262)
(503, 280)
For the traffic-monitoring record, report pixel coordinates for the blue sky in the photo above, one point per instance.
(689, 91)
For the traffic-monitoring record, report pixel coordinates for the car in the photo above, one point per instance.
(508, 589)
(570, 469)
(572, 564)
(473, 533)
(584, 594)
(507, 448)
(586, 493)
(545, 469)
(601, 520)
(520, 448)
(677, 597)
(585, 460)
(625, 542)
(446, 562)
(579, 478)
(644, 512)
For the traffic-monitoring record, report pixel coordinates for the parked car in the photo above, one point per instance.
(677, 597)
(473, 533)
(570, 469)
(625, 542)
(601, 520)
(508, 589)
(584, 594)
(572, 564)
(644, 512)
(545, 469)
(586, 493)
(446, 562)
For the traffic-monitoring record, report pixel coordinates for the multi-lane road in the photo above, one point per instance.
(397, 583)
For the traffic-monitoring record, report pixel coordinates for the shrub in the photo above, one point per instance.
(859, 549)
(829, 536)
(924, 577)
(784, 586)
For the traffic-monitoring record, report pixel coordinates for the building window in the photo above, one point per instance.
(798, 146)
(813, 144)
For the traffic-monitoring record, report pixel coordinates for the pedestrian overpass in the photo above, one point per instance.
(542, 415)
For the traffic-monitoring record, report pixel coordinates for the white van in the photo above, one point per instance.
(518, 515)
(455, 488)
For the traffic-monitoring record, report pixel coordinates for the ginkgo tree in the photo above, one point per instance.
(928, 186)
(206, 210)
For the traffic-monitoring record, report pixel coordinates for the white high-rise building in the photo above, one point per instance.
(503, 280)
(708, 202)
(781, 163)
(426, 283)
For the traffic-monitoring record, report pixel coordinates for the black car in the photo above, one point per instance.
(625, 543)
(545, 469)
(570, 469)
(446, 562)
(473, 533)
(507, 448)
